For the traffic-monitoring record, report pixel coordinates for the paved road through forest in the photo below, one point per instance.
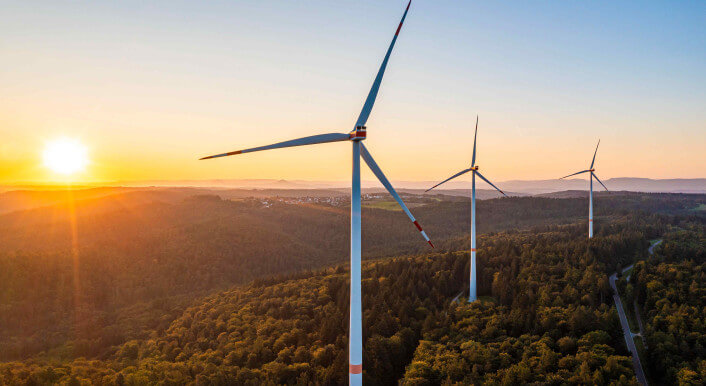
(639, 372)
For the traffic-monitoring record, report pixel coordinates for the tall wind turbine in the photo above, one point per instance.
(356, 136)
(472, 297)
(590, 194)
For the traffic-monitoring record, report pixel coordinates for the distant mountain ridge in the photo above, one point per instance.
(46, 194)
(635, 184)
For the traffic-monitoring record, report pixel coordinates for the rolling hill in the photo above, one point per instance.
(553, 325)
(106, 270)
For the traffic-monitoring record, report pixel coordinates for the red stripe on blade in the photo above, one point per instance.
(417, 225)
(355, 369)
(432, 245)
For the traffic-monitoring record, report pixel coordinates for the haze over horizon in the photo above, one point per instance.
(304, 187)
(148, 89)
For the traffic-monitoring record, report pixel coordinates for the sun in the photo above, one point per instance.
(65, 156)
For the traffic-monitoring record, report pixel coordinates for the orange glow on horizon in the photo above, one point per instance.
(183, 94)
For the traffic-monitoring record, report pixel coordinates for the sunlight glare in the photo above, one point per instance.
(65, 156)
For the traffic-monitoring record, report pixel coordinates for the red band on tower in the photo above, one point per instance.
(355, 369)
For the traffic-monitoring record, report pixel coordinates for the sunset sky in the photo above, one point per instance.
(150, 88)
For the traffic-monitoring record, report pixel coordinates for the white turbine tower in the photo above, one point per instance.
(472, 293)
(356, 136)
(590, 189)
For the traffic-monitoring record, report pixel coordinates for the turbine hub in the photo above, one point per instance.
(591, 170)
(358, 134)
(475, 167)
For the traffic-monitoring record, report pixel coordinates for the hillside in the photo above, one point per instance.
(91, 262)
(670, 289)
(292, 329)
(548, 319)
(139, 259)
(647, 185)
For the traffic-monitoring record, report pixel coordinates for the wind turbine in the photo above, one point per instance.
(472, 297)
(590, 194)
(356, 136)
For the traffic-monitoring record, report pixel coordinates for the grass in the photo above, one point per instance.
(385, 205)
(640, 346)
(700, 208)
(390, 205)
(630, 313)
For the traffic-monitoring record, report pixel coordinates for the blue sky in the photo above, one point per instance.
(159, 84)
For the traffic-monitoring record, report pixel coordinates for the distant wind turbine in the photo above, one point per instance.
(472, 297)
(356, 136)
(590, 194)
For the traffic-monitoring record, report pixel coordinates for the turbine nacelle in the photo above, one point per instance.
(474, 168)
(591, 170)
(358, 134)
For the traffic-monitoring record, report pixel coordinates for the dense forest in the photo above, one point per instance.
(549, 318)
(670, 289)
(278, 330)
(145, 265)
(547, 300)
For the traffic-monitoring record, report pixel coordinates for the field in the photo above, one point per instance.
(390, 205)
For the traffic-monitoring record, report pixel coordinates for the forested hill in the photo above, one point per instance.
(138, 259)
(670, 289)
(546, 316)
(549, 319)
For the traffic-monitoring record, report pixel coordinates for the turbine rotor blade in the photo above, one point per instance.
(314, 139)
(594, 154)
(370, 100)
(490, 183)
(473, 162)
(583, 171)
(462, 172)
(379, 174)
(599, 181)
